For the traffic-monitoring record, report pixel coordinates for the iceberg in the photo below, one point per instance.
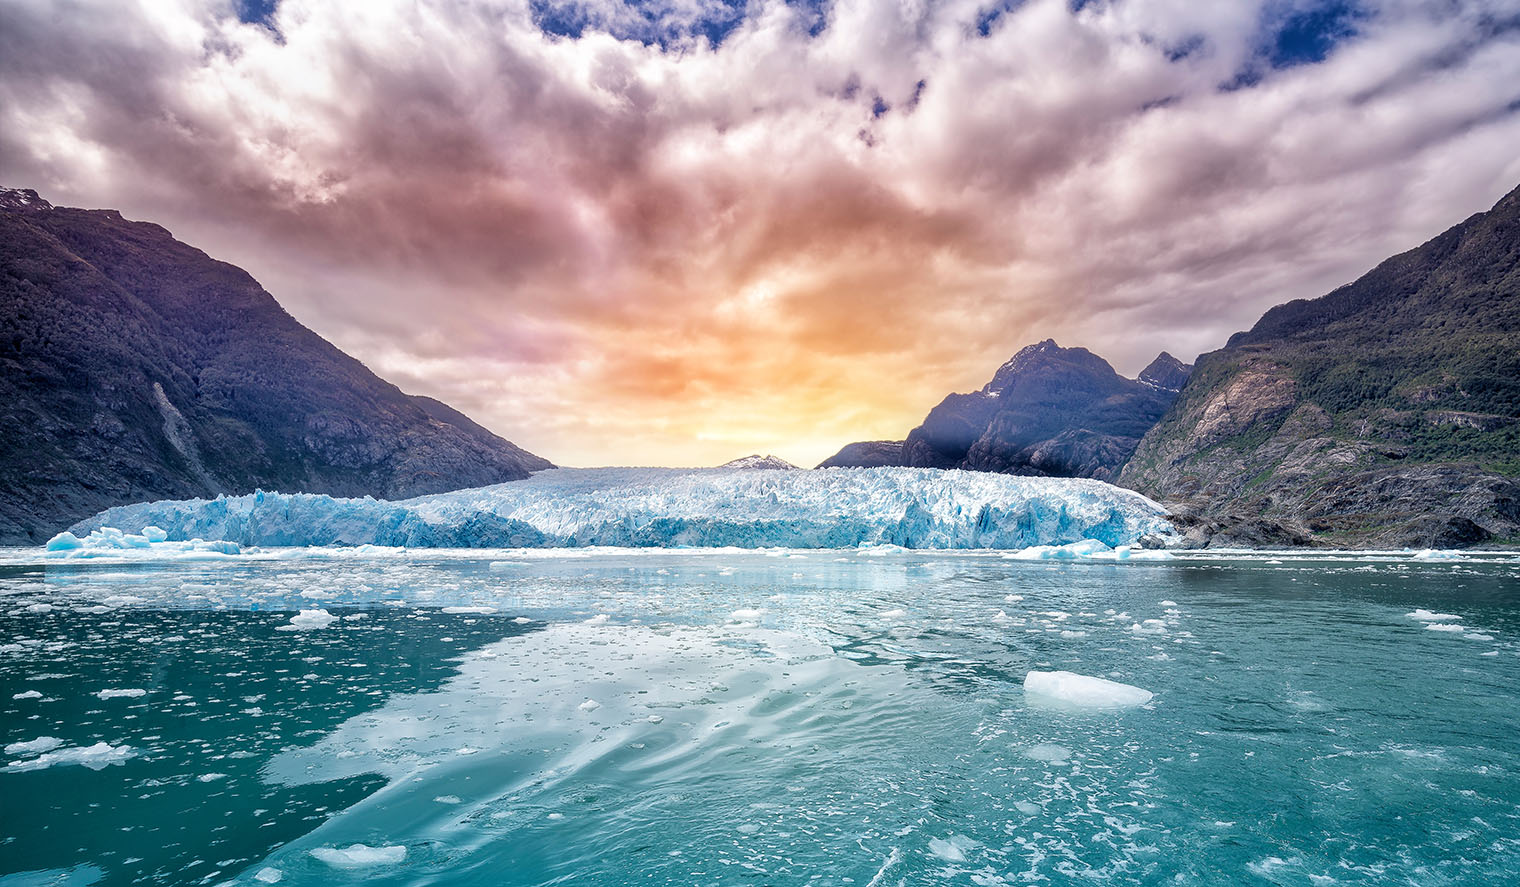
(648, 507)
(108, 541)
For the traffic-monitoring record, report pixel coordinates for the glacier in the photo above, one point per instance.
(662, 507)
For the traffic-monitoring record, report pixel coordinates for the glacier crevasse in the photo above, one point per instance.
(648, 507)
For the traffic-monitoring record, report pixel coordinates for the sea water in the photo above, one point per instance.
(605, 717)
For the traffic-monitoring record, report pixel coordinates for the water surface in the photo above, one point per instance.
(817, 717)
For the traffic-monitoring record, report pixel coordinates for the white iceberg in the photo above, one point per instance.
(1080, 691)
(359, 855)
(108, 541)
(650, 507)
(308, 620)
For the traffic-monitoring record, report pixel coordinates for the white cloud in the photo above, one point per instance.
(527, 224)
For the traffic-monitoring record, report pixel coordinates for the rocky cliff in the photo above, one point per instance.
(1386, 413)
(1049, 410)
(135, 367)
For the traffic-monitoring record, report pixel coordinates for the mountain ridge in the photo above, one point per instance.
(1384, 413)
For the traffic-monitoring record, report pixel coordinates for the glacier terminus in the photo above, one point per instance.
(663, 507)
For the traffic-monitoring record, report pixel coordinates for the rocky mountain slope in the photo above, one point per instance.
(1386, 413)
(135, 367)
(1049, 410)
(867, 454)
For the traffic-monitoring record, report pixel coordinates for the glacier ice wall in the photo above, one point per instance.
(657, 507)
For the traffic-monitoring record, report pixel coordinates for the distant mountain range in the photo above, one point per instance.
(764, 463)
(1386, 413)
(135, 367)
(1049, 410)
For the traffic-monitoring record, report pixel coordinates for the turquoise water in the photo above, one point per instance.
(820, 718)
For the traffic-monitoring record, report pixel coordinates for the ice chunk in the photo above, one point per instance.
(307, 620)
(952, 849)
(64, 541)
(131, 693)
(1081, 691)
(35, 747)
(154, 534)
(27, 694)
(483, 611)
(1427, 616)
(359, 855)
(875, 508)
(1444, 626)
(268, 875)
(1048, 752)
(95, 757)
(1072, 551)
(1431, 554)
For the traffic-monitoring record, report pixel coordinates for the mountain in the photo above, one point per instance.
(135, 367)
(866, 454)
(771, 463)
(1166, 373)
(1047, 411)
(1386, 413)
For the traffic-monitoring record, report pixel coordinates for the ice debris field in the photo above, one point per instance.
(667, 508)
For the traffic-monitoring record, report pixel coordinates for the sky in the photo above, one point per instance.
(682, 231)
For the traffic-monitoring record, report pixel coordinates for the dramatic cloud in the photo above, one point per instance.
(681, 231)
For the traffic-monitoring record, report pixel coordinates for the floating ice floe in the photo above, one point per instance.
(1087, 550)
(1048, 752)
(833, 508)
(1081, 691)
(1428, 616)
(952, 849)
(359, 855)
(130, 693)
(1431, 554)
(308, 620)
(34, 747)
(95, 757)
